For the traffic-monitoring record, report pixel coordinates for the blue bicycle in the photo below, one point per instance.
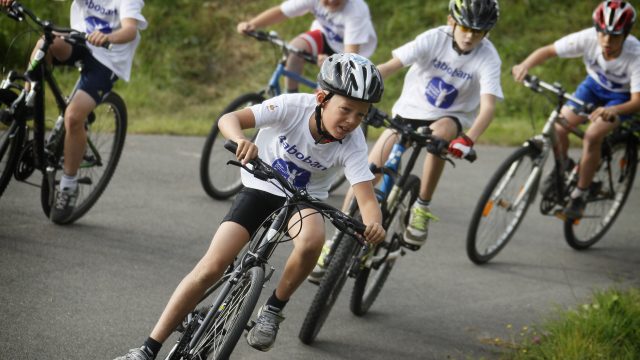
(219, 181)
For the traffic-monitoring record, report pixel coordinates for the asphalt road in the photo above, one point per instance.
(95, 289)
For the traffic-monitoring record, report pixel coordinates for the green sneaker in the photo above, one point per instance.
(418, 229)
(321, 267)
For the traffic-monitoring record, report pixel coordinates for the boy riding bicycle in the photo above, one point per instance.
(340, 26)
(612, 61)
(454, 77)
(105, 21)
(305, 136)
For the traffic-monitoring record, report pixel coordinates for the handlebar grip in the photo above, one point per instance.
(231, 145)
(471, 156)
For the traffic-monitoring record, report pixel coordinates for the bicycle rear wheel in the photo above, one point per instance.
(11, 137)
(608, 192)
(372, 277)
(328, 290)
(106, 132)
(496, 217)
(218, 180)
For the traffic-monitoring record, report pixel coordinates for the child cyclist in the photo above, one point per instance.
(324, 129)
(340, 26)
(453, 82)
(612, 60)
(113, 21)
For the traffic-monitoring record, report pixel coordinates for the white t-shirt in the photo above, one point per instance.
(285, 142)
(621, 74)
(105, 15)
(350, 25)
(442, 83)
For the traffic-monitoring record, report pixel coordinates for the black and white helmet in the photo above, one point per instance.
(475, 14)
(353, 76)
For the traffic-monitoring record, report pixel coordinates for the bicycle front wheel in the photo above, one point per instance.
(328, 290)
(378, 266)
(608, 192)
(106, 130)
(218, 180)
(503, 204)
(11, 136)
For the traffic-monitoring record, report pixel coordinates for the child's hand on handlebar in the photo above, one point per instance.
(6, 3)
(461, 146)
(245, 27)
(519, 72)
(246, 151)
(97, 38)
(374, 233)
(606, 113)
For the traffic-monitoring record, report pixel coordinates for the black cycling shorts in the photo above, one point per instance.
(415, 123)
(95, 79)
(252, 207)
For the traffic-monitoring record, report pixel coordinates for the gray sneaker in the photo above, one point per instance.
(263, 334)
(136, 354)
(63, 205)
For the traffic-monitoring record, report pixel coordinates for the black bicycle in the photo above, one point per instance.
(219, 182)
(513, 187)
(212, 331)
(24, 145)
(371, 266)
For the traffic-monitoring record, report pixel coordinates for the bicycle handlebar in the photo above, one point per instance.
(17, 11)
(537, 85)
(273, 38)
(423, 135)
(266, 172)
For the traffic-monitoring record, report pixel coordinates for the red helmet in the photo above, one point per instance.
(614, 17)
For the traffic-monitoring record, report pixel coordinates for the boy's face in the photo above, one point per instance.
(333, 5)
(466, 38)
(611, 45)
(342, 115)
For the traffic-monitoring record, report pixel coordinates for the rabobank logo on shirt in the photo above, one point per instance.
(440, 94)
(608, 83)
(96, 24)
(332, 35)
(295, 175)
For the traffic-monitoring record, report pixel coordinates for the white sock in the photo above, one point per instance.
(577, 192)
(68, 182)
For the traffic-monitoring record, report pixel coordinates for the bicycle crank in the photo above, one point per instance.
(26, 163)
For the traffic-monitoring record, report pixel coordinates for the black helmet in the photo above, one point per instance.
(353, 76)
(475, 14)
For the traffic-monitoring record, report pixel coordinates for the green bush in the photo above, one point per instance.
(191, 62)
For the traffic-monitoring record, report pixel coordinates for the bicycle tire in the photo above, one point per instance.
(218, 180)
(369, 281)
(11, 138)
(106, 134)
(582, 234)
(239, 308)
(482, 247)
(328, 290)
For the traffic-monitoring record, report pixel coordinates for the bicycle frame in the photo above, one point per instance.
(545, 142)
(274, 88)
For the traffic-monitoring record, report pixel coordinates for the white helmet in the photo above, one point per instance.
(353, 76)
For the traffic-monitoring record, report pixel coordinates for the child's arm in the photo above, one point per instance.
(390, 67)
(231, 126)
(534, 59)
(125, 34)
(266, 18)
(370, 211)
(461, 146)
(484, 118)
